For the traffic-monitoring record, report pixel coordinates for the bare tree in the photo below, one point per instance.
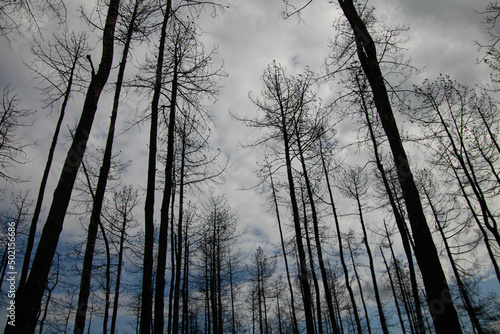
(58, 66)
(12, 145)
(261, 271)
(441, 220)
(280, 107)
(355, 185)
(29, 298)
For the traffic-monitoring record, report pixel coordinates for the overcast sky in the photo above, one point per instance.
(249, 35)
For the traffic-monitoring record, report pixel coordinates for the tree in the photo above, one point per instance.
(29, 298)
(309, 125)
(394, 294)
(353, 255)
(147, 274)
(441, 306)
(339, 239)
(59, 68)
(12, 119)
(355, 185)
(261, 271)
(191, 81)
(103, 179)
(283, 249)
(440, 218)
(216, 240)
(120, 221)
(448, 113)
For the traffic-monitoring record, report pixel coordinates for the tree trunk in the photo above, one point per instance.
(147, 276)
(403, 231)
(95, 218)
(394, 294)
(118, 274)
(45, 176)
(290, 287)
(440, 303)
(30, 297)
(401, 284)
(383, 322)
(108, 280)
(341, 251)
(314, 214)
(360, 287)
(303, 275)
(167, 192)
(180, 233)
(461, 287)
(319, 322)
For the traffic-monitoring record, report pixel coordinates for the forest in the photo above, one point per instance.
(322, 181)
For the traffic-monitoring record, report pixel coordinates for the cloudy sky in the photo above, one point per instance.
(249, 35)
(252, 33)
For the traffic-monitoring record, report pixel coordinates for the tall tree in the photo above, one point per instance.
(280, 107)
(448, 112)
(441, 306)
(356, 185)
(57, 66)
(29, 298)
(283, 249)
(440, 219)
(147, 273)
(350, 238)
(308, 128)
(339, 240)
(95, 217)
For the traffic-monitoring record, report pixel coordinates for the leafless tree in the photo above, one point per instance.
(12, 146)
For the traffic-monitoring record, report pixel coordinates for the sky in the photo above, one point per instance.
(249, 35)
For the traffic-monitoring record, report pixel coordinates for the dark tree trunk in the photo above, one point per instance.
(147, 276)
(461, 286)
(95, 218)
(303, 275)
(403, 230)
(167, 193)
(45, 176)
(30, 297)
(360, 287)
(173, 264)
(394, 294)
(315, 221)
(319, 322)
(290, 287)
(108, 280)
(383, 322)
(118, 273)
(440, 303)
(178, 250)
(341, 251)
(401, 284)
